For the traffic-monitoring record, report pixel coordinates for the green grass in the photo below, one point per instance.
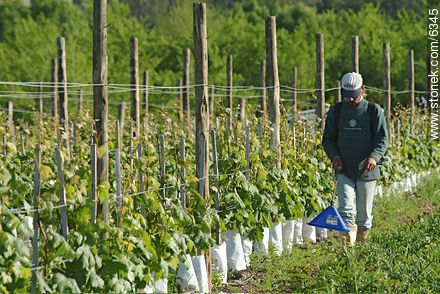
(401, 256)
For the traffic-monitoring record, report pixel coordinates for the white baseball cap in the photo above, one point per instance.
(351, 85)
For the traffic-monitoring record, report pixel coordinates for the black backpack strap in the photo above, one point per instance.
(372, 109)
(338, 110)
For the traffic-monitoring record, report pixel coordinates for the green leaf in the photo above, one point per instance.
(5, 176)
(65, 285)
(45, 172)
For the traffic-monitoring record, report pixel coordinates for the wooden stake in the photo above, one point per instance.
(182, 169)
(202, 109)
(273, 82)
(211, 103)
(387, 80)
(141, 179)
(294, 94)
(180, 98)
(242, 114)
(93, 194)
(22, 144)
(54, 81)
(36, 219)
(186, 82)
(355, 54)
(118, 183)
(229, 102)
(134, 78)
(216, 177)
(40, 101)
(100, 93)
(10, 107)
(263, 107)
(121, 114)
(62, 89)
(338, 92)
(247, 153)
(411, 86)
(80, 101)
(320, 85)
(64, 226)
(146, 92)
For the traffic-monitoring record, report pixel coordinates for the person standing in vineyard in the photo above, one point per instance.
(355, 139)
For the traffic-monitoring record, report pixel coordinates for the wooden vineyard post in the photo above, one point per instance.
(263, 107)
(36, 218)
(273, 82)
(131, 144)
(411, 86)
(100, 93)
(320, 85)
(80, 101)
(40, 101)
(387, 80)
(146, 92)
(242, 114)
(355, 54)
(4, 145)
(64, 225)
(94, 178)
(294, 91)
(62, 89)
(185, 81)
(54, 83)
(216, 177)
(22, 144)
(26, 127)
(211, 103)
(338, 92)
(229, 101)
(121, 115)
(134, 78)
(141, 179)
(10, 107)
(118, 182)
(180, 98)
(202, 110)
(182, 169)
(247, 153)
(162, 166)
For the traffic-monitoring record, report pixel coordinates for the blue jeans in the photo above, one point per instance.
(355, 199)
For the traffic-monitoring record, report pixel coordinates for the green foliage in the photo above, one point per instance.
(28, 42)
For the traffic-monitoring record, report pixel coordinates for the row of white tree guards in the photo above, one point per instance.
(234, 253)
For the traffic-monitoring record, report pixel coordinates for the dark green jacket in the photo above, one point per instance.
(356, 140)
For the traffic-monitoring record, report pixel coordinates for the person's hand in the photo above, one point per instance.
(369, 164)
(337, 163)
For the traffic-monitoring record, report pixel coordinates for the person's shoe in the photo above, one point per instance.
(350, 236)
(362, 234)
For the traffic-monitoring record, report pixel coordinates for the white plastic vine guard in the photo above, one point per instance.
(321, 233)
(187, 275)
(201, 274)
(288, 233)
(262, 247)
(234, 251)
(308, 232)
(220, 261)
(297, 234)
(276, 237)
(246, 243)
